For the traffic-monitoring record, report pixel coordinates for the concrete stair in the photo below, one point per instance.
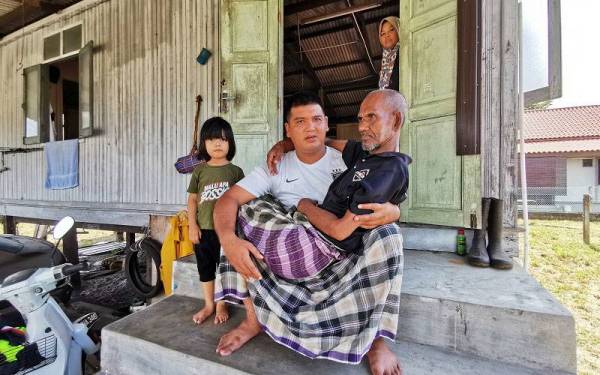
(455, 319)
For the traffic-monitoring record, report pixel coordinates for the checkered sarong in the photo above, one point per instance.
(291, 246)
(336, 314)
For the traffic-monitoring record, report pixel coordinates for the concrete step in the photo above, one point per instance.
(162, 339)
(503, 316)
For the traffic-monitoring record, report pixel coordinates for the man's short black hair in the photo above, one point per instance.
(299, 99)
(216, 127)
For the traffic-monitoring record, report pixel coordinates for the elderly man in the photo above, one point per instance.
(348, 307)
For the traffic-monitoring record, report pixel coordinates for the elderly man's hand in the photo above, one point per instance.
(384, 213)
(274, 156)
(238, 253)
(303, 203)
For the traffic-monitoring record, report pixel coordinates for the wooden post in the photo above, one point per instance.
(10, 226)
(130, 239)
(587, 199)
(71, 252)
(119, 237)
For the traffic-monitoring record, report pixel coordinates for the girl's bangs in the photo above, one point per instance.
(216, 132)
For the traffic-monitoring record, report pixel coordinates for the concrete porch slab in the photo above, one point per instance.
(504, 316)
(162, 339)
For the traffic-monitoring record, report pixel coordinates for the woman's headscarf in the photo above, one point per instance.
(389, 54)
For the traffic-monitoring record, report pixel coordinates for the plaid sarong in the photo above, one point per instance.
(336, 314)
(291, 246)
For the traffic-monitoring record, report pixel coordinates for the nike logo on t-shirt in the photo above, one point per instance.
(288, 180)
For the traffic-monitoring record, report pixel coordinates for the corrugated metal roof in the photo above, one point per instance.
(7, 6)
(335, 52)
(350, 72)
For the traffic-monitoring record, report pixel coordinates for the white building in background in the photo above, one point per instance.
(563, 157)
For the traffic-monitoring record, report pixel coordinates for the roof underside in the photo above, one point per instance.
(338, 56)
(16, 14)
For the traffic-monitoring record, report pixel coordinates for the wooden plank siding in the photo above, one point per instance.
(146, 79)
(499, 103)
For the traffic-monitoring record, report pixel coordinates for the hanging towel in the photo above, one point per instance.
(62, 164)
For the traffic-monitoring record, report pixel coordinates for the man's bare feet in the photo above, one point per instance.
(222, 314)
(382, 360)
(203, 313)
(236, 338)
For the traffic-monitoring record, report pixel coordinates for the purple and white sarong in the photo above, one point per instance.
(291, 246)
(335, 314)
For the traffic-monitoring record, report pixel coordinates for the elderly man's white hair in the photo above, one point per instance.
(393, 100)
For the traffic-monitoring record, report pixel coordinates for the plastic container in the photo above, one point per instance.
(461, 242)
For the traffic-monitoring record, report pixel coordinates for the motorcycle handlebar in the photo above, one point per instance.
(71, 269)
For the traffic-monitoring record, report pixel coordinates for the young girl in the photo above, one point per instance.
(209, 181)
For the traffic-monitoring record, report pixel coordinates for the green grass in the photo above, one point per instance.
(89, 237)
(570, 270)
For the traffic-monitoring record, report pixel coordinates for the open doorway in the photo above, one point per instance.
(332, 47)
(64, 99)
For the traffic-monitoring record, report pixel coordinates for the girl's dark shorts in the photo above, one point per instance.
(208, 252)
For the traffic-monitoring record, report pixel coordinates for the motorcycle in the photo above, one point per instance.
(52, 344)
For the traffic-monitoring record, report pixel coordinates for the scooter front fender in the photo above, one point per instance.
(81, 337)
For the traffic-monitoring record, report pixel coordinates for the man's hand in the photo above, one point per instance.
(195, 233)
(384, 213)
(238, 253)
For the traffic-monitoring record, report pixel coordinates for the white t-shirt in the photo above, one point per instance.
(296, 180)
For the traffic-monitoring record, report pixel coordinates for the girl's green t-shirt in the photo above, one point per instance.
(210, 182)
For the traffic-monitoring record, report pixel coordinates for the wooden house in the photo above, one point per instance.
(129, 67)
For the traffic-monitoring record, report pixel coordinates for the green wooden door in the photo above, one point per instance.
(249, 76)
(444, 187)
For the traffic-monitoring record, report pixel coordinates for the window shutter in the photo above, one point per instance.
(86, 84)
(541, 38)
(35, 104)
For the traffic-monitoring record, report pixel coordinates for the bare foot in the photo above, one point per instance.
(204, 313)
(382, 360)
(233, 340)
(222, 314)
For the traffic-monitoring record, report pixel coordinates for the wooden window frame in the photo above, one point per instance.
(41, 105)
(85, 73)
(554, 88)
(60, 31)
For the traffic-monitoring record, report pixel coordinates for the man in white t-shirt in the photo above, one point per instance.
(306, 172)
(296, 179)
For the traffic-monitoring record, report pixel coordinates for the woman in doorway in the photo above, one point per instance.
(389, 38)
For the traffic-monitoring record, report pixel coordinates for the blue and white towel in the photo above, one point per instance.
(62, 164)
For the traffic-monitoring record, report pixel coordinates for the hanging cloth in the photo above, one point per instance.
(177, 244)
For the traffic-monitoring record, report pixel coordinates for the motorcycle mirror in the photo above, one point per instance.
(62, 227)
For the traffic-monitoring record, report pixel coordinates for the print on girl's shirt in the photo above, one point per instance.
(214, 191)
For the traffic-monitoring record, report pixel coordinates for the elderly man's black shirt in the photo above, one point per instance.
(370, 178)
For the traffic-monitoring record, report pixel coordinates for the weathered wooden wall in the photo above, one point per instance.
(499, 101)
(145, 82)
